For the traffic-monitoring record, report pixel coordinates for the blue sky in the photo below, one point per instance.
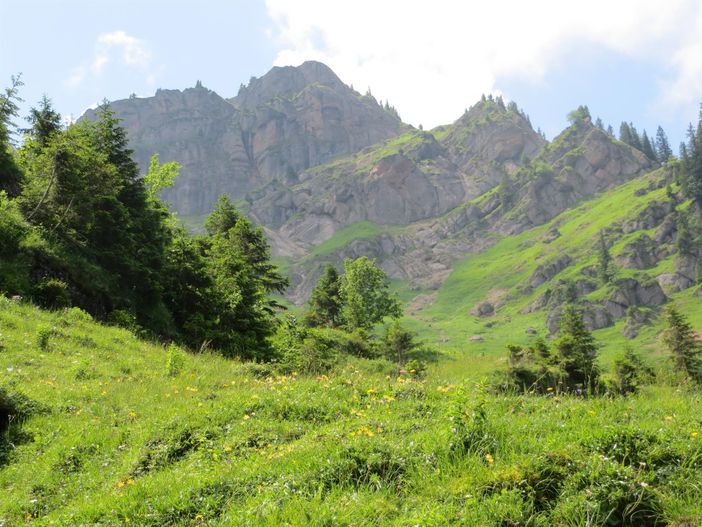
(634, 60)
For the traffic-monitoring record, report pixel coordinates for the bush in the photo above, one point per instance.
(44, 335)
(631, 372)
(52, 293)
(174, 360)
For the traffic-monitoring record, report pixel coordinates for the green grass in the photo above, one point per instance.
(116, 438)
(502, 271)
(356, 231)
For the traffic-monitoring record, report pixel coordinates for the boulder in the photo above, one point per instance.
(630, 292)
(674, 282)
(484, 309)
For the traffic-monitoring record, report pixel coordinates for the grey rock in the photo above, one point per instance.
(674, 282)
(545, 272)
(484, 309)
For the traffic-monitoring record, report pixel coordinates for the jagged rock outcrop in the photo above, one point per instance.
(642, 253)
(290, 119)
(545, 272)
(630, 292)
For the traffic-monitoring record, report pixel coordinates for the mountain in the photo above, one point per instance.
(331, 174)
(283, 123)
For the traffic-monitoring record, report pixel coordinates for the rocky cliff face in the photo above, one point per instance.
(279, 125)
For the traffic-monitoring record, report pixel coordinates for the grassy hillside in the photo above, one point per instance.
(119, 431)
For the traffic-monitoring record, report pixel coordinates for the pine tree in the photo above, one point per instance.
(647, 147)
(635, 138)
(10, 174)
(599, 124)
(577, 351)
(610, 130)
(325, 301)
(625, 133)
(683, 345)
(663, 146)
(605, 270)
(44, 121)
(690, 169)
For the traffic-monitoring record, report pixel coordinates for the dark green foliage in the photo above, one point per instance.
(631, 372)
(51, 293)
(94, 236)
(647, 147)
(44, 121)
(689, 173)
(605, 265)
(570, 366)
(580, 114)
(325, 301)
(663, 150)
(397, 343)
(684, 346)
(10, 174)
(629, 135)
(577, 351)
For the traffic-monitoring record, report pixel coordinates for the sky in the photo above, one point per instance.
(638, 61)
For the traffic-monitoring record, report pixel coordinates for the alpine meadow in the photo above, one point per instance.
(289, 307)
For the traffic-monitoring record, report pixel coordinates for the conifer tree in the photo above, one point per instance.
(10, 174)
(577, 350)
(663, 149)
(44, 121)
(647, 147)
(683, 345)
(325, 301)
(605, 270)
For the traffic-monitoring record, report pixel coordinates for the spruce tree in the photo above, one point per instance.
(683, 345)
(663, 149)
(44, 121)
(325, 301)
(10, 174)
(577, 351)
(625, 133)
(647, 147)
(605, 270)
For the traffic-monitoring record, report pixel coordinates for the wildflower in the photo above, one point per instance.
(549, 389)
(668, 417)
(489, 459)
(694, 434)
(227, 448)
(132, 414)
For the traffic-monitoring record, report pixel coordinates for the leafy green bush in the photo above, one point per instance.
(52, 293)
(44, 335)
(631, 372)
(174, 360)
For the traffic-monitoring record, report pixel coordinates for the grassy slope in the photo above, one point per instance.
(115, 440)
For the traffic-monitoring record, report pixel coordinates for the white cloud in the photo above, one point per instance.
(119, 47)
(433, 59)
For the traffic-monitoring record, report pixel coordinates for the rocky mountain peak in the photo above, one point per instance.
(286, 82)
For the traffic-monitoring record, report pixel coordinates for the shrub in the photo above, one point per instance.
(52, 293)
(44, 335)
(472, 433)
(631, 372)
(174, 360)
